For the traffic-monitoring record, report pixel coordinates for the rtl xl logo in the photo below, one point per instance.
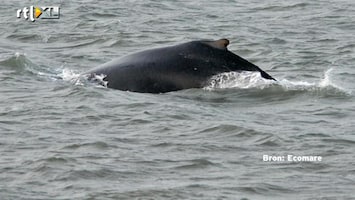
(43, 12)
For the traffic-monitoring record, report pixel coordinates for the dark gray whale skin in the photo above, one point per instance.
(183, 66)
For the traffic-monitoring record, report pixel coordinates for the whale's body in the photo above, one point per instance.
(183, 66)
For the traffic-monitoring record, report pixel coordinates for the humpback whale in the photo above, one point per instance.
(172, 68)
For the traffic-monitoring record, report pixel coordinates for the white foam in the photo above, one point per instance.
(249, 80)
(243, 80)
(76, 78)
(326, 81)
(68, 74)
(71, 76)
(18, 54)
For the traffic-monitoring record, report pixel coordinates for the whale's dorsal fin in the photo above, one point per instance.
(219, 44)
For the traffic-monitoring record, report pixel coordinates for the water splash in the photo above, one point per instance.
(326, 81)
(239, 80)
(71, 76)
(242, 80)
(254, 80)
(80, 79)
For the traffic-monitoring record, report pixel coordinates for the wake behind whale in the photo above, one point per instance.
(21, 65)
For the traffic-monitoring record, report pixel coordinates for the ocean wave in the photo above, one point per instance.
(20, 64)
